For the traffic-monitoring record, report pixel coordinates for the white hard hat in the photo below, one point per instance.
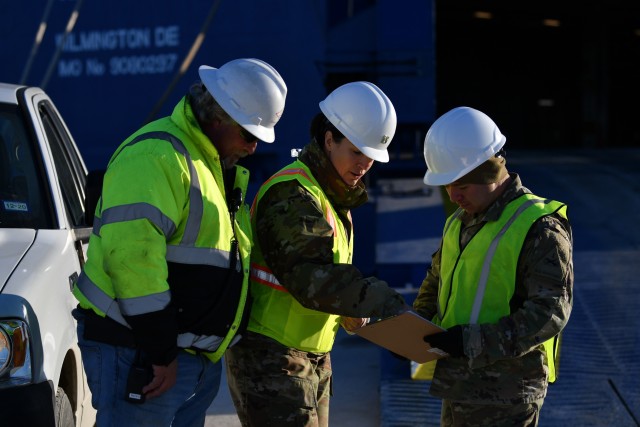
(250, 91)
(458, 142)
(364, 115)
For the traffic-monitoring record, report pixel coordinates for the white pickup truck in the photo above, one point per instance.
(43, 238)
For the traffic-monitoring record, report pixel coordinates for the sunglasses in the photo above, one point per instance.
(247, 136)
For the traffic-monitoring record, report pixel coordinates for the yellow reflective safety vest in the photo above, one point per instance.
(476, 289)
(193, 228)
(277, 314)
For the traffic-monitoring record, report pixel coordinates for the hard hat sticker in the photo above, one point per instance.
(385, 139)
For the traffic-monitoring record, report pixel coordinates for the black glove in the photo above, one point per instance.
(449, 341)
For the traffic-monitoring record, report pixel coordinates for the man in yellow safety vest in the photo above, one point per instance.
(164, 290)
(500, 283)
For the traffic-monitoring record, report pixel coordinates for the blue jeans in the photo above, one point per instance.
(183, 405)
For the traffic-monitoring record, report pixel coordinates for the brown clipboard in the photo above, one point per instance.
(403, 334)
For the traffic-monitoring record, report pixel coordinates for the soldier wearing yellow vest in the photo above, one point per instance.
(500, 283)
(302, 282)
(164, 290)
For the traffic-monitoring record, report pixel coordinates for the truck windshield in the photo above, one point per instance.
(22, 201)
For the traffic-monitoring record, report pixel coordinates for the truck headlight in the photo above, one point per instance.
(15, 353)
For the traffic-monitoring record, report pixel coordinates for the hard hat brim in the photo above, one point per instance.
(435, 179)
(262, 133)
(432, 178)
(381, 156)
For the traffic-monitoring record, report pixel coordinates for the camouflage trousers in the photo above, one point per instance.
(457, 414)
(272, 385)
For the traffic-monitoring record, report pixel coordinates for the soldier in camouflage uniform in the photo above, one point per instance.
(503, 314)
(302, 282)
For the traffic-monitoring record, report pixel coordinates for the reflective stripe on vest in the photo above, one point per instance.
(263, 275)
(203, 342)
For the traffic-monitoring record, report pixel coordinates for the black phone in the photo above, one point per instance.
(140, 374)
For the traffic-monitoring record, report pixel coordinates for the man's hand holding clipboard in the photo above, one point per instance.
(404, 334)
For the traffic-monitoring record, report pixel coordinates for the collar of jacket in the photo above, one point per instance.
(340, 194)
(183, 117)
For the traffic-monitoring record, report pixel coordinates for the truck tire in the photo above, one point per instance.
(63, 411)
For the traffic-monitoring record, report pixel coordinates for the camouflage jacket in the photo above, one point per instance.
(503, 362)
(296, 241)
